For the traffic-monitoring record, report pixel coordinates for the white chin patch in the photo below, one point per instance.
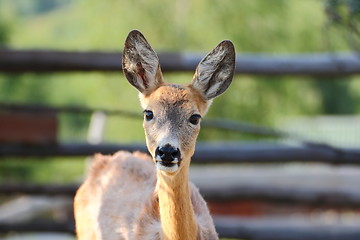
(171, 169)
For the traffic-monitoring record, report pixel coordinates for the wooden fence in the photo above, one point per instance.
(327, 64)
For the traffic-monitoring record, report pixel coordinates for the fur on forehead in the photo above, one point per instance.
(176, 95)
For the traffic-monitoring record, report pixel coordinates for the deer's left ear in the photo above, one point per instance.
(215, 72)
(141, 64)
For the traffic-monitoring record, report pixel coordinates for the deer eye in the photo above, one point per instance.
(148, 115)
(194, 119)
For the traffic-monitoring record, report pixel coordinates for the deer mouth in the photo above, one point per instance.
(168, 166)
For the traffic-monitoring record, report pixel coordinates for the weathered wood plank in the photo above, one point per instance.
(328, 64)
(205, 153)
(244, 228)
(28, 128)
(284, 229)
(307, 196)
(38, 226)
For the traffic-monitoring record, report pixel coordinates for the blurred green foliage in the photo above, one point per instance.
(262, 26)
(3, 33)
(30, 170)
(343, 19)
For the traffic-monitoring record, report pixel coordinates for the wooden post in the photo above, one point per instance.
(37, 128)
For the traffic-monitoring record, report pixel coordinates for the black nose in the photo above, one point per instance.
(167, 153)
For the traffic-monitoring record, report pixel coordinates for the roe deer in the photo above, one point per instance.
(137, 197)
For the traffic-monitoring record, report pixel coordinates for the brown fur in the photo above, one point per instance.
(176, 210)
(133, 173)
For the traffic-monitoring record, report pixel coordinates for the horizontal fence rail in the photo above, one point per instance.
(283, 229)
(205, 153)
(33, 108)
(227, 227)
(328, 64)
(281, 194)
(224, 193)
(38, 226)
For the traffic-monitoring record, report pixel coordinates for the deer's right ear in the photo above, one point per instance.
(141, 64)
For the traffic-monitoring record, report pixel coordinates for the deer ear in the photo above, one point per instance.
(215, 72)
(141, 64)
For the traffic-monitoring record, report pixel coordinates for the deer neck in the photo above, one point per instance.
(175, 207)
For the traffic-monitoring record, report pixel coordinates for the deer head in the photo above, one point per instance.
(172, 113)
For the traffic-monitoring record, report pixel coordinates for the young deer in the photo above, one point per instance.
(125, 196)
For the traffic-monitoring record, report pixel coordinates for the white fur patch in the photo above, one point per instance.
(171, 169)
(165, 168)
